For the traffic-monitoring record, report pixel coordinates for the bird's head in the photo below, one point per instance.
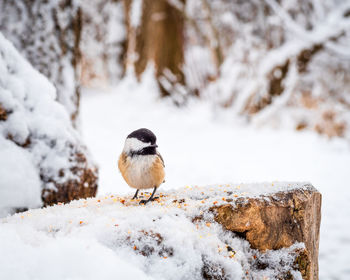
(140, 142)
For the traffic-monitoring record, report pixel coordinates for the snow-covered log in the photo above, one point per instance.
(48, 34)
(246, 231)
(42, 158)
(272, 222)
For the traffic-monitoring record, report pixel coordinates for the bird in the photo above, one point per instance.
(140, 163)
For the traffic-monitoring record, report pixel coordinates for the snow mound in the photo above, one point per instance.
(38, 145)
(47, 34)
(93, 238)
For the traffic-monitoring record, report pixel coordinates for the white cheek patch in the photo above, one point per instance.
(133, 144)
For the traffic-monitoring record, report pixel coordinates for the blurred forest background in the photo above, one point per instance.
(272, 62)
(174, 66)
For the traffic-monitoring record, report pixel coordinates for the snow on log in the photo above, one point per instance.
(42, 158)
(246, 231)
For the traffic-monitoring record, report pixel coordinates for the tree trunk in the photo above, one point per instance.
(48, 34)
(159, 38)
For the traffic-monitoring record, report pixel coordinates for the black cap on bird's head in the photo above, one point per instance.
(144, 135)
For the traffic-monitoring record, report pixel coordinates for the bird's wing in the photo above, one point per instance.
(161, 158)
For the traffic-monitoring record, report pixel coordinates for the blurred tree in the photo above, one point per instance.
(257, 57)
(156, 34)
(276, 55)
(48, 34)
(103, 41)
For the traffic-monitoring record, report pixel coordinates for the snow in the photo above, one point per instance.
(13, 174)
(202, 143)
(136, 12)
(37, 139)
(201, 146)
(256, 37)
(23, 257)
(102, 237)
(34, 31)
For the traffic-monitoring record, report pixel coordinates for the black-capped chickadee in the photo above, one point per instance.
(140, 164)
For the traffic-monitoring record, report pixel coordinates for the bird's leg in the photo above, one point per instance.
(135, 195)
(151, 197)
(154, 191)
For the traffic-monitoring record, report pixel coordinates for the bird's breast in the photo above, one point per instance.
(142, 171)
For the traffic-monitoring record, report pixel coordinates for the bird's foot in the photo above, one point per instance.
(135, 195)
(144, 201)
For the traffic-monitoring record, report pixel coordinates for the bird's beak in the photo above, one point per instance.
(153, 146)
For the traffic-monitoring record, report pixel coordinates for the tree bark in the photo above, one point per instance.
(159, 39)
(278, 221)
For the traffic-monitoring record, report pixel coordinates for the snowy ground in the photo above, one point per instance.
(203, 148)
